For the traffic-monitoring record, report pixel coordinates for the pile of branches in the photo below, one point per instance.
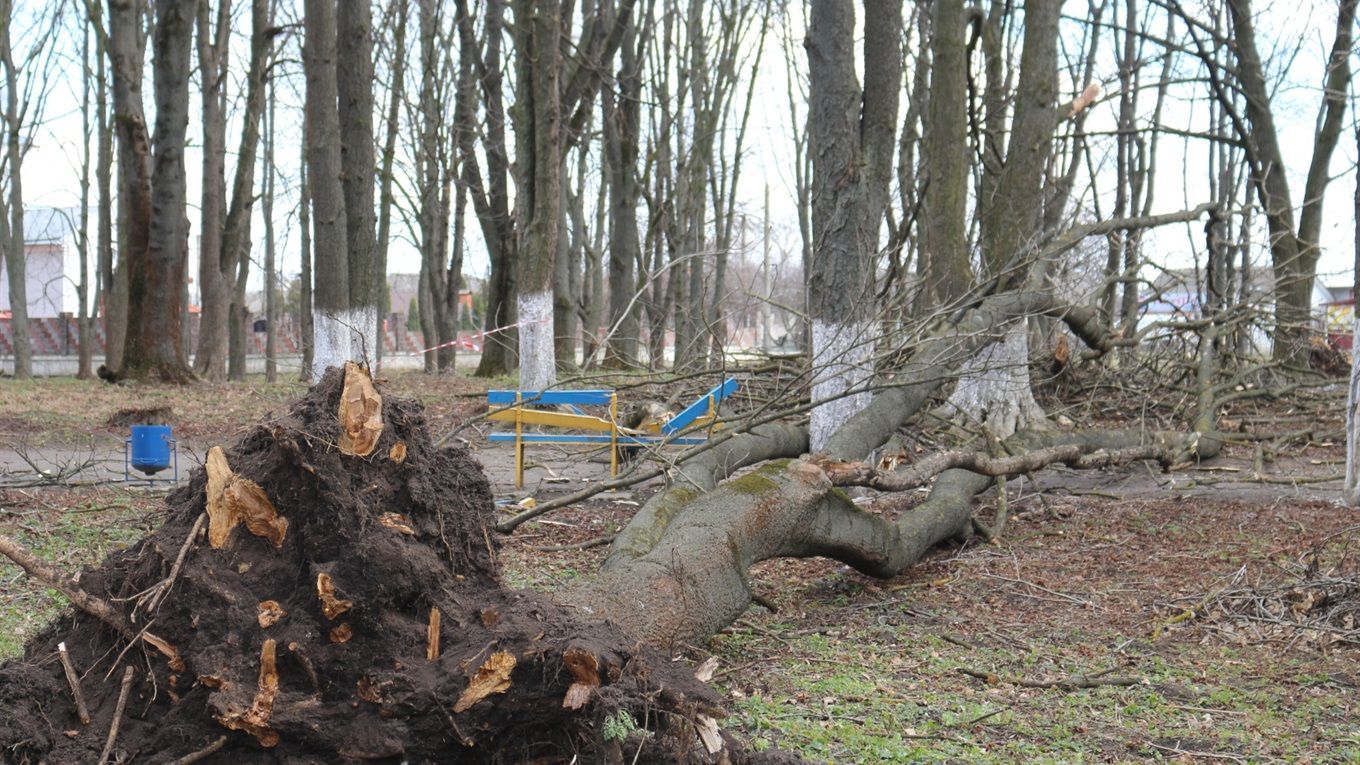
(1313, 600)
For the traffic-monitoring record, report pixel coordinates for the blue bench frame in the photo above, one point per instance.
(509, 406)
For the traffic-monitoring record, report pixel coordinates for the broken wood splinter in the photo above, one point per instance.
(492, 677)
(361, 421)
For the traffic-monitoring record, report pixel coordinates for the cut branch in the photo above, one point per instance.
(920, 473)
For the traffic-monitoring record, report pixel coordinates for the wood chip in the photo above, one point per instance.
(585, 670)
(397, 522)
(361, 421)
(173, 659)
(432, 636)
(398, 452)
(704, 672)
(492, 677)
(331, 605)
(341, 633)
(270, 613)
(707, 728)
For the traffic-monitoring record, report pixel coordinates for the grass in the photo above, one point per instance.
(69, 530)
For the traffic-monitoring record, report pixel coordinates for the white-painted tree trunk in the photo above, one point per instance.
(1350, 493)
(994, 387)
(340, 336)
(842, 360)
(537, 359)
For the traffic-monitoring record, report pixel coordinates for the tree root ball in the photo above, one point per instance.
(375, 630)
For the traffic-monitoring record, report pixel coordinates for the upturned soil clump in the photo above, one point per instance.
(326, 591)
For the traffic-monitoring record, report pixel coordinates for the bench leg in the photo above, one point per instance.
(519, 464)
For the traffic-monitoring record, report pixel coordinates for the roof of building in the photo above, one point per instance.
(49, 225)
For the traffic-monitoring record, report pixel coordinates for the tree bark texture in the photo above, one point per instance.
(853, 131)
(944, 254)
(156, 274)
(13, 228)
(538, 135)
(334, 324)
(678, 579)
(354, 79)
(1294, 251)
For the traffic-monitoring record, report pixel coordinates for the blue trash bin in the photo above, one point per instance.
(150, 446)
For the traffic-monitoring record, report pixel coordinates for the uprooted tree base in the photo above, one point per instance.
(328, 607)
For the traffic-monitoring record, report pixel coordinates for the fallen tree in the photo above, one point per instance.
(359, 614)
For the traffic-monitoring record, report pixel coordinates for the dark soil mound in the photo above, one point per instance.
(319, 649)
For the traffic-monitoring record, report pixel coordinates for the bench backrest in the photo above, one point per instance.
(699, 408)
(550, 397)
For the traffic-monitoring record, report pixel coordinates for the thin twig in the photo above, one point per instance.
(1069, 683)
(201, 754)
(118, 713)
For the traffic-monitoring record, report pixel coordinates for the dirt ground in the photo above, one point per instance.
(976, 655)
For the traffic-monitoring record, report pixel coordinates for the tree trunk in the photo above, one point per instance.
(852, 147)
(111, 305)
(156, 275)
(538, 131)
(85, 343)
(305, 282)
(944, 254)
(354, 75)
(431, 162)
(998, 386)
(271, 303)
(492, 202)
(1294, 252)
(681, 577)
(388, 161)
(1351, 491)
(215, 273)
(13, 231)
(335, 326)
(622, 126)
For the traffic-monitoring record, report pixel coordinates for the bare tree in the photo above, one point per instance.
(27, 82)
(621, 124)
(397, 13)
(1293, 245)
(156, 263)
(945, 265)
(1351, 491)
(853, 130)
(995, 387)
(335, 326)
(435, 177)
(354, 76)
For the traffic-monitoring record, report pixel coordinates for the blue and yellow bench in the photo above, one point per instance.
(519, 407)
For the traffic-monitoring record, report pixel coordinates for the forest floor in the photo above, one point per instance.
(1201, 615)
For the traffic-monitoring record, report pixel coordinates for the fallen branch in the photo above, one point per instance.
(157, 593)
(1069, 683)
(96, 607)
(920, 473)
(73, 679)
(118, 714)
